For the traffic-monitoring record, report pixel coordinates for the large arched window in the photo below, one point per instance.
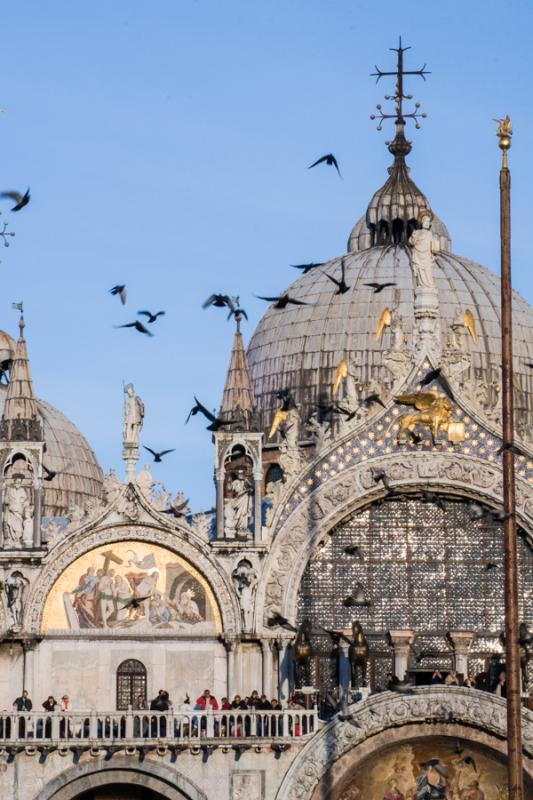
(404, 564)
(131, 682)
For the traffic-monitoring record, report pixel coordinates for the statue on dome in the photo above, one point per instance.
(425, 245)
(133, 416)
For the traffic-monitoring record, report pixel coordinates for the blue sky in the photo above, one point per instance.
(166, 146)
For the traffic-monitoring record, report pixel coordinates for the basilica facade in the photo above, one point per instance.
(358, 489)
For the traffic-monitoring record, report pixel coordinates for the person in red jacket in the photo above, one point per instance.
(206, 702)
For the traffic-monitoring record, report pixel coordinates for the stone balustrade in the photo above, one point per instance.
(145, 728)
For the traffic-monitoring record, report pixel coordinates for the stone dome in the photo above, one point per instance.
(80, 476)
(7, 347)
(300, 347)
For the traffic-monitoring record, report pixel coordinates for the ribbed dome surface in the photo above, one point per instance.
(79, 477)
(7, 346)
(300, 347)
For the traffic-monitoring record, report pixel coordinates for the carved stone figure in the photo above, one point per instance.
(289, 454)
(76, 514)
(358, 655)
(145, 482)
(245, 579)
(112, 486)
(17, 514)
(15, 588)
(396, 330)
(133, 416)
(202, 524)
(238, 507)
(317, 431)
(424, 248)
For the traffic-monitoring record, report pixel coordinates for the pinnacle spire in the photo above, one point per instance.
(20, 419)
(400, 146)
(238, 396)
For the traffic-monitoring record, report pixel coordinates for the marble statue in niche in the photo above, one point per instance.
(15, 588)
(17, 515)
(238, 505)
(245, 580)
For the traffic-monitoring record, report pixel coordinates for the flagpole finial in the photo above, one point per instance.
(504, 134)
(20, 307)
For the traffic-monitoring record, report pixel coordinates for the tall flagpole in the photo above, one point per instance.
(512, 658)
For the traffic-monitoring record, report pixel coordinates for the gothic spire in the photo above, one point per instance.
(20, 417)
(238, 396)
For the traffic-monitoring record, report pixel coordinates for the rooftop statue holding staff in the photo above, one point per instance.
(133, 416)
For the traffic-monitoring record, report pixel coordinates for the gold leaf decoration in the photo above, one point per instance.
(384, 322)
(340, 374)
(470, 324)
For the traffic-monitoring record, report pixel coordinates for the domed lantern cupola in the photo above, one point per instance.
(395, 209)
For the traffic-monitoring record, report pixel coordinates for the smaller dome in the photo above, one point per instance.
(394, 210)
(7, 347)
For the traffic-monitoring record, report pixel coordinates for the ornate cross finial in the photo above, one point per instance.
(399, 115)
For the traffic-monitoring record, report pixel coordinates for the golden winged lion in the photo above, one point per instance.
(432, 410)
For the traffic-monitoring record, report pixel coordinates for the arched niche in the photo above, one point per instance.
(159, 779)
(439, 717)
(309, 514)
(126, 587)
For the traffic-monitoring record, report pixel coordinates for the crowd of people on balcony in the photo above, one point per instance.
(483, 681)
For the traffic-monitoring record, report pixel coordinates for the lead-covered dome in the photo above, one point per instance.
(78, 478)
(299, 348)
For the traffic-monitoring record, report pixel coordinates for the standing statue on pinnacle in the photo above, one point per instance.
(133, 416)
(425, 246)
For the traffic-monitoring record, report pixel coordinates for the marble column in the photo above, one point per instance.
(461, 642)
(267, 654)
(258, 522)
(402, 641)
(230, 646)
(286, 669)
(28, 666)
(220, 503)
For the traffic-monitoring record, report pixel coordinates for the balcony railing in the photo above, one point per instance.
(190, 728)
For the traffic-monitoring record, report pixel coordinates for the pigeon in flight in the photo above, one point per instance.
(121, 291)
(151, 317)
(19, 199)
(328, 159)
(138, 327)
(158, 456)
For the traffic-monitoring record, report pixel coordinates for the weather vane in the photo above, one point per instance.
(399, 116)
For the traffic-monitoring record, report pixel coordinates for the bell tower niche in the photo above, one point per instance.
(238, 453)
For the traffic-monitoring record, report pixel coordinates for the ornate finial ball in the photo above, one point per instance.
(504, 132)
